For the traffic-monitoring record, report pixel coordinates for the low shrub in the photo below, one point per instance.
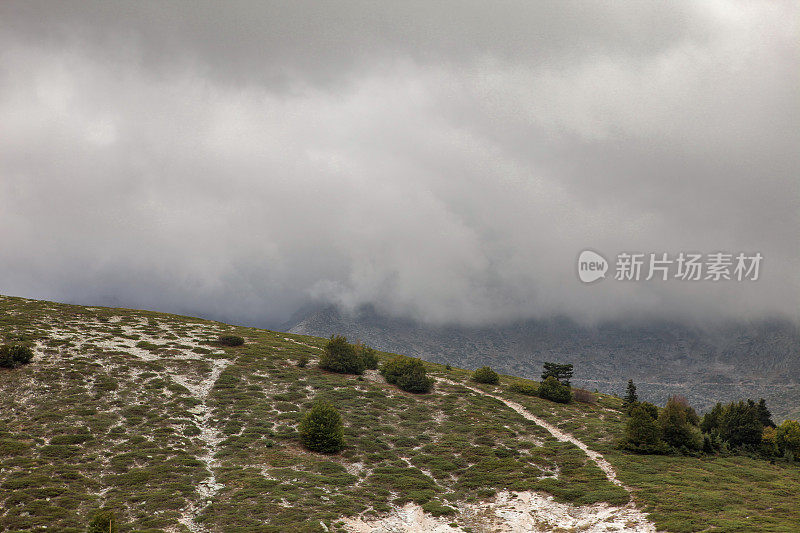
(321, 429)
(230, 340)
(302, 361)
(341, 356)
(528, 389)
(584, 396)
(12, 356)
(408, 373)
(436, 508)
(368, 356)
(103, 521)
(415, 381)
(551, 389)
(486, 375)
(5, 357)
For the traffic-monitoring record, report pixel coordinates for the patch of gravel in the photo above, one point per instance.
(510, 512)
(374, 376)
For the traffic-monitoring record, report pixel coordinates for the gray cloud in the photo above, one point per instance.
(442, 161)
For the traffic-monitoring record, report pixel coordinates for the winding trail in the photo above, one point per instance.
(514, 512)
(604, 465)
(302, 343)
(210, 437)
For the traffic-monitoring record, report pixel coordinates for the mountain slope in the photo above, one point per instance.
(706, 365)
(143, 412)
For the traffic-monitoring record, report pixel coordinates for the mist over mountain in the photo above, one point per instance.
(706, 363)
(446, 162)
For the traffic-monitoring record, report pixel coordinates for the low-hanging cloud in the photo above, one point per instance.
(438, 162)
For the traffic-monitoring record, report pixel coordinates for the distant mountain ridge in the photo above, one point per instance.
(720, 363)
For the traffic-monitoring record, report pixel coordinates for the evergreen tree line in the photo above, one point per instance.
(744, 426)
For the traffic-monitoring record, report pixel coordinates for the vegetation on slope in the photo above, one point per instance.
(108, 416)
(134, 411)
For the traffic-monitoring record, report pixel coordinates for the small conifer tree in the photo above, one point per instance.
(561, 371)
(631, 398)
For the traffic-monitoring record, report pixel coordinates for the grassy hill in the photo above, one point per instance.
(145, 413)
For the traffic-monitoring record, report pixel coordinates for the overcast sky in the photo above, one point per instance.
(442, 160)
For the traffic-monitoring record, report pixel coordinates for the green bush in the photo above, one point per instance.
(528, 389)
(5, 357)
(302, 361)
(551, 389)
(370, 357)
(103, 521)
(436, 508)
(408, 373)
(415, 381)
(485, 375)
(321, 429)
(642, 433)
(21, 355)
(341, 356)
(676, 424)
(12, 356)
(230, 340)
(769, 442)
(788, 438)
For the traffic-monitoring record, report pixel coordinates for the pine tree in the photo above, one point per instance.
(561, 371)
(712, 420)
(631, 398)
(764, 415)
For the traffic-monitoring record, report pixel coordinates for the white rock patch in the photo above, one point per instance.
(510, 512)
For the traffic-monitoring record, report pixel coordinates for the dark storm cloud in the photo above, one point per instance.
(279, 42)
(446, 161)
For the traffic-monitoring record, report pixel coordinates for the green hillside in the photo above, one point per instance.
(148, 415)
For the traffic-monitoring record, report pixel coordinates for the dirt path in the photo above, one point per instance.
(511, 512)
(604, 465)
(301, 343)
